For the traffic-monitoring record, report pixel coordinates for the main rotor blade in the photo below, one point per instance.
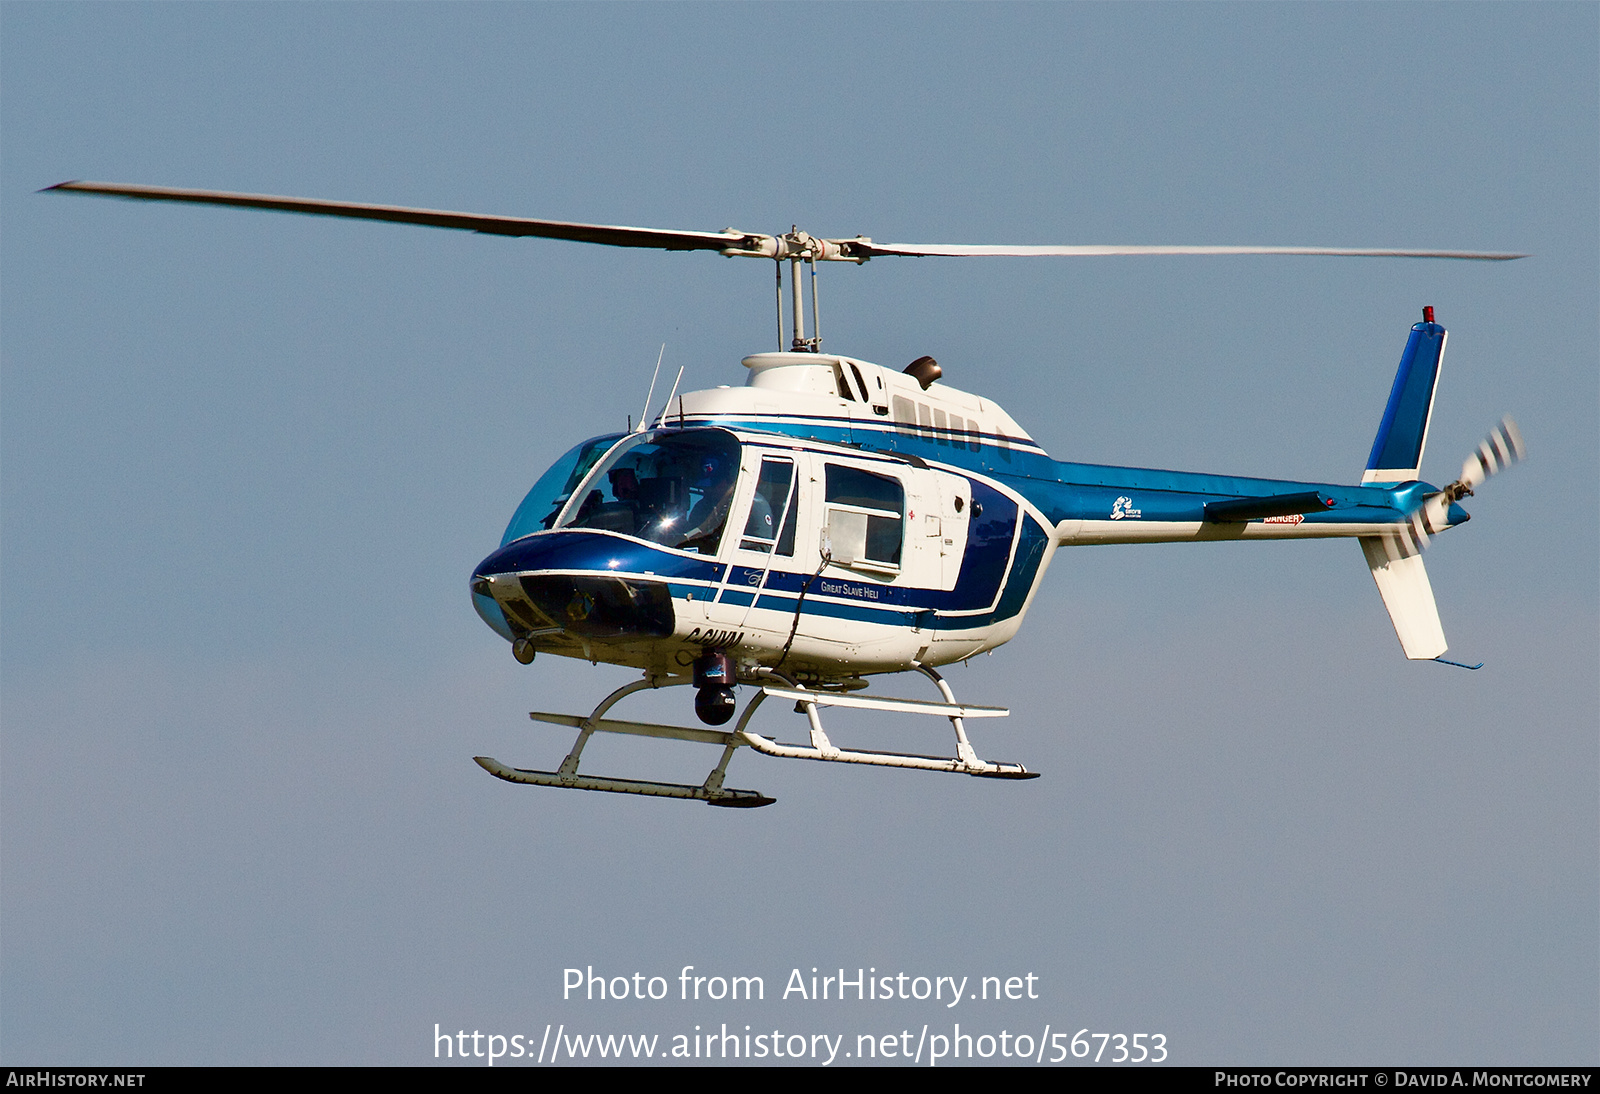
(869, 249)
(795, 245)
(609, 234)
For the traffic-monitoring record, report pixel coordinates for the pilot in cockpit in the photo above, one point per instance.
(624, 484)
(716, 483)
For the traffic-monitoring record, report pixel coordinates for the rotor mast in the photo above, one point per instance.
(795, 293)
(797, 247)
(800, 343)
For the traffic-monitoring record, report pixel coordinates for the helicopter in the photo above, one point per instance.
(833, 520)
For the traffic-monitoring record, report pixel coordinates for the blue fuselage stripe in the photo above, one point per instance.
(1065, 491)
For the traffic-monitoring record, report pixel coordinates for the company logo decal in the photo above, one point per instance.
(1124, 508)
(840, 588)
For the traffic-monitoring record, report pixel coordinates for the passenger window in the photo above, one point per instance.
(939, 427)
(866, 517)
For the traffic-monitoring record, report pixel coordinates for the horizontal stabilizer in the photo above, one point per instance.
(1403, 584)
(1280, 505)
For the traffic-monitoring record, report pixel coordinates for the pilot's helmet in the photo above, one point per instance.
(714, 468)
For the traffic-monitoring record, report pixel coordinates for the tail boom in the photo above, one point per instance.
(1092, 505)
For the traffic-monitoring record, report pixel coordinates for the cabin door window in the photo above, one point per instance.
(865, 519)
(770, 526)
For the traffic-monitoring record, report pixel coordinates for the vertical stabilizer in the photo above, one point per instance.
(1397, 450)
(1403, 584)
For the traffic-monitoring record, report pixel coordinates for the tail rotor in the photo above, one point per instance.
(1496, 452)
(1395, 558)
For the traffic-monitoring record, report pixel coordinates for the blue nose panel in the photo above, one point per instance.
(588, 584)
(489, 611)
(595, 552)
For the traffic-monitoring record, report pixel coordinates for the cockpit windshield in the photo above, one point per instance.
(670, 487)
(539, 509)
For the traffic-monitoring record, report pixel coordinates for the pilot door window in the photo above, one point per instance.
(773, 510)
(865, 519)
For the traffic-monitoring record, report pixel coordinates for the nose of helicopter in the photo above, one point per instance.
(570, 583)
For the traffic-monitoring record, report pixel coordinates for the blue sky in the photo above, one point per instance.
(250, 460)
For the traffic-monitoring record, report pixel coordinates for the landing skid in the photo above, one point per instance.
(712, 792)
(737, 799)
(806, 700)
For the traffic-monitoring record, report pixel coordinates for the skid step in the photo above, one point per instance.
(732, 799)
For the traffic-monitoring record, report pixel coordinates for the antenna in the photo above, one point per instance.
(644, 415)
(668, 405)
(778, 266)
